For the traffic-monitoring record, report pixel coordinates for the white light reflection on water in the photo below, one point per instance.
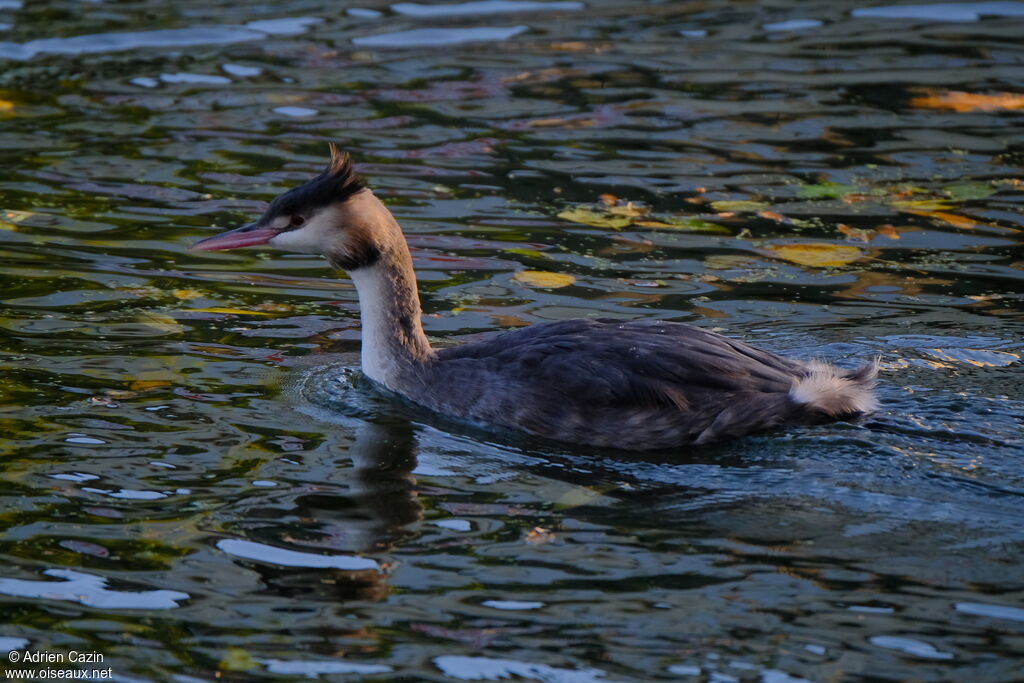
(89, 590)
(982, 609)
(183, 77)
(241, 70)
(296, 112)
(174, 37)
(260, 552)
(422, 37)
(792, 25)
(512, 605)
(9, 644)
(488, 669)
(415, 9)
(952, 11)
(314, 668)
(910, 646)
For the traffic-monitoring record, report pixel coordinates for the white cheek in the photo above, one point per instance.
(315, 237)
(297, 240)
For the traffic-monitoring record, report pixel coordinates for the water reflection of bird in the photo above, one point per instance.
(635, 385)
(381, 498)
(379, 502)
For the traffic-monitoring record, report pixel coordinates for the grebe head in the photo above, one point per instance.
(332, 214)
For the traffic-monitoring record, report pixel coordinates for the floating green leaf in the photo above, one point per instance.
(691, 224)
(827, 191)
(226, 311)
(967, 191)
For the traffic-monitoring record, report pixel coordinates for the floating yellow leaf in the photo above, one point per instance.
(147, 384)
(653, 224)
(727, 261)
(817, 254)
(226, 311)
(968, 101)
(186, 294)
(508, 321)
(539, 536)
(854, 233)
(529, 253)
(577, 496)
(237, 659)
(627, 209)
(598, 219)
(957, 221)
(922, 205)
(548, 123)
(6, 106)
(540, 278)
(275, 307)
(161, 322)
(692, 224)
(9, 220)
(17, 216)
(739, 205)
(121, 394)
(888, 231)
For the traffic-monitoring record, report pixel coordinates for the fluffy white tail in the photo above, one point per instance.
(837, 392)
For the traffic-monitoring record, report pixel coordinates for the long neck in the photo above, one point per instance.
(393, 339)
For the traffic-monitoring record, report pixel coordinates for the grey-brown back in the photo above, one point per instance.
(634, 385)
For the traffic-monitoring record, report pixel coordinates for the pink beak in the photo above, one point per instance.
(245, 236)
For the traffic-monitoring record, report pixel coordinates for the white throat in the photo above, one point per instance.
(392, 337)
(378, 359)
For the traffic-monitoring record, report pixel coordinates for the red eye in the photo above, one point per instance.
(297, 221)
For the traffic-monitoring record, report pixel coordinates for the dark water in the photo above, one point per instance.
(189, 492)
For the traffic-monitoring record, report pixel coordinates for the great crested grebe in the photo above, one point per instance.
(636, 385)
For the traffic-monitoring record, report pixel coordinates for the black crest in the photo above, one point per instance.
(336, 183)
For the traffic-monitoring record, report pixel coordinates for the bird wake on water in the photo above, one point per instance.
(635, 385)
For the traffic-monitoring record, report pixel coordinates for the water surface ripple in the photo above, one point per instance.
(197, 484)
